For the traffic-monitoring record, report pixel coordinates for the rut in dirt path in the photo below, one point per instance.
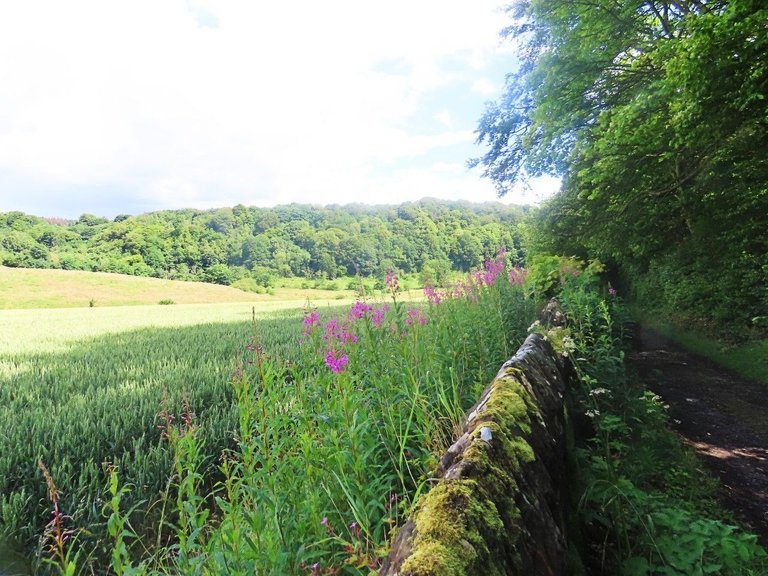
(723, 416)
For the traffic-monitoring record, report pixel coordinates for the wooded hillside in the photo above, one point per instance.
(227, 244)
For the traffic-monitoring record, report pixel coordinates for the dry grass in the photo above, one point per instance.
(28, 288)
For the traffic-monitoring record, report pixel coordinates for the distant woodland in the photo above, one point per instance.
(260, 244)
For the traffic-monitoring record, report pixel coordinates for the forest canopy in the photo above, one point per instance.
(655, 116)
(227, 244)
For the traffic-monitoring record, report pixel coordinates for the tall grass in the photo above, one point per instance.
(333, 449)
(301, 457)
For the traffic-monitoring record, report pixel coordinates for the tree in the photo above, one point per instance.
(655, 115)
(467, 252)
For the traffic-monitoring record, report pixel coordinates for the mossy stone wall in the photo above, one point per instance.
(499, 506)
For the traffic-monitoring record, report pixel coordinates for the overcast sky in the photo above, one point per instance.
(114, 107)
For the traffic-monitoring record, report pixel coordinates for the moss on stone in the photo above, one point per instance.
(454, 527)
(471, 521)
(471, 525)
(558, 337)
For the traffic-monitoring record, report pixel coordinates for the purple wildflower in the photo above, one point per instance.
(493, 269)
(348, 337)
(392, 283)
(356, 532)
(465, 290)
(377, 318)
(332, 330)
(517, 275)
(571, 271)
(311, 319)
(391, 280)
(359, 310)
(432, 295)
(336, 363)
(417, 316)
(611, 291)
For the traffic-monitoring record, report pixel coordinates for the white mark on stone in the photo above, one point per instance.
(485, 434)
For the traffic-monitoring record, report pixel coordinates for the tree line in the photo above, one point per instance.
(655, 115)
(227, 244)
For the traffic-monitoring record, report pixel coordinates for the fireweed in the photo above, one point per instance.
(350, 433)
(333, 445)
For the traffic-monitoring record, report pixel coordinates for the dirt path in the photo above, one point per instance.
(720, 414)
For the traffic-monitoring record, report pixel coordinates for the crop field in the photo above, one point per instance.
(262, 439)
(79, 387)
(32, 288)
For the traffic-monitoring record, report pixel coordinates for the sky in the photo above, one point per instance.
(124, 107)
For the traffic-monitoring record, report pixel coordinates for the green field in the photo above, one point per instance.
(32, 288)
(112, 366)
(193, 402)
(79, 387)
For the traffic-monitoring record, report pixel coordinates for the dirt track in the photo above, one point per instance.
(720, 414)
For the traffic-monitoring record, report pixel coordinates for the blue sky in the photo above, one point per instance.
(115, 107)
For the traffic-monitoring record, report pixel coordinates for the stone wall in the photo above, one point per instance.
(498, 507)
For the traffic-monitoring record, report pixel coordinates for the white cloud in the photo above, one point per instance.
(215, 102)
(486, 87)
(444, 117)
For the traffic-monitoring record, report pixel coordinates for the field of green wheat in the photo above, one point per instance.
(198, 438)
(83, 387)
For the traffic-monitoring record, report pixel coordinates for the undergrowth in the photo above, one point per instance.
(646, 506)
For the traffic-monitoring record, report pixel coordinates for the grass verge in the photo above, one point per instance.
(749, 358)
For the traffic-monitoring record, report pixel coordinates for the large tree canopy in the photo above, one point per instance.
(655, 114)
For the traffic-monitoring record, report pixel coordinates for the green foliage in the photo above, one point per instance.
(98, 400)
(226, 245)
(549, 276)
(645, 500)
(294, 457)
(655, 116)
(218, 274)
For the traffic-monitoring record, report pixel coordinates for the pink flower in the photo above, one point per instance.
(332, 330)
(432, 295)
(391, 281)
(311, 320)
(415, 315)
(493, 269)
(377, 318)
(517, 275)
(348, 337)
(359, 310)
(336, 363)
(356, 532)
